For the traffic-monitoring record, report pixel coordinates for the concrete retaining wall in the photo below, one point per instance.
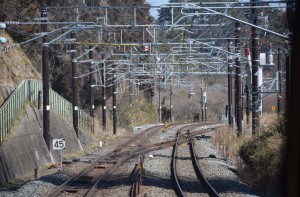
(26, 150)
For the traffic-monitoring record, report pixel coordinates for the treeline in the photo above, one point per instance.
(60, 62)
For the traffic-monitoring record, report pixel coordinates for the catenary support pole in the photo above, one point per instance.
(255, 64)
(238, 91)
(230, 74)
(171, 100)
(242, 98)
(114, 99)
(279, 93)
(248, 83)
(159, 103)
(92, 83)
(103, 92)
(247, 103)
(202, 105)
(205, 111)
(287, 73)
(45, 76)
(74, 84)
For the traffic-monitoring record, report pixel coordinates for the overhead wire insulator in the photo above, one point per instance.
(204, 97)
(3, 40)
(270, 56)
(2, 25)
(12, 23)
(247, 51)
(248, 55)
(9, 47)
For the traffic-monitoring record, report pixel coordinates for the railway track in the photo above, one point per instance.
(210, 190)
(94, 175)
(88, 180)
(188, 137)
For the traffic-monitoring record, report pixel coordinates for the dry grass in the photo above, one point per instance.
(258, 158)
(15, 66)
(78, 154)
(226, 142)
(135, 112)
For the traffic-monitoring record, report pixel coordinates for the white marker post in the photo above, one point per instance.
(59, 144)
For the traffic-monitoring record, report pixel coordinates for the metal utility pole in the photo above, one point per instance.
(255, 64)
(279, 93)
(242, 99)
(103, 78)
(45, 76)
(248, 83)
(74, 83)
(205, 110)
(247, 104)
(288, 74)
(202, 105)
(159, 103)
(171, 100)
(114, 99)
(238, 81)
(230, 74)
(92, 83)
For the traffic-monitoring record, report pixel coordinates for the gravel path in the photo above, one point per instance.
(157, 178)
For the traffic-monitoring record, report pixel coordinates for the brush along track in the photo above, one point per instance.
(187, 181)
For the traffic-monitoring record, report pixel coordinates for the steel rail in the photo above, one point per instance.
(92, 190)
(180, 137)
(131, 153)
(174, 177)
(210, 190)
(126, 155)
(136, 179)
(62, 187)
(112, 154)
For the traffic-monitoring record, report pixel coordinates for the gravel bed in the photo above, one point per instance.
(186, 174)
(221, 173)
(157, 176)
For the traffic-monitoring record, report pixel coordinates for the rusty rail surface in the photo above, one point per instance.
(136, 179)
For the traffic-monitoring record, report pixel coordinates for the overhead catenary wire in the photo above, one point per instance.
(30, 40)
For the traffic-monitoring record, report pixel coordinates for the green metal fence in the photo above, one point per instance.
(27, 91)
(10, 110)
(64, 108)
(61, 106)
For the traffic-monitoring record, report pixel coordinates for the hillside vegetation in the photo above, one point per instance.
(15, 66)
(263, 154)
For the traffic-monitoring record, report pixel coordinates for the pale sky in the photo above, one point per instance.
(156, 3)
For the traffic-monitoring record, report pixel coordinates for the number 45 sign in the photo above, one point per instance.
(59, 144)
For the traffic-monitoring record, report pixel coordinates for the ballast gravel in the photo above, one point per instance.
(221, 173)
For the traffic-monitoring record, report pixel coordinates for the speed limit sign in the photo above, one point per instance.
(59, 144)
